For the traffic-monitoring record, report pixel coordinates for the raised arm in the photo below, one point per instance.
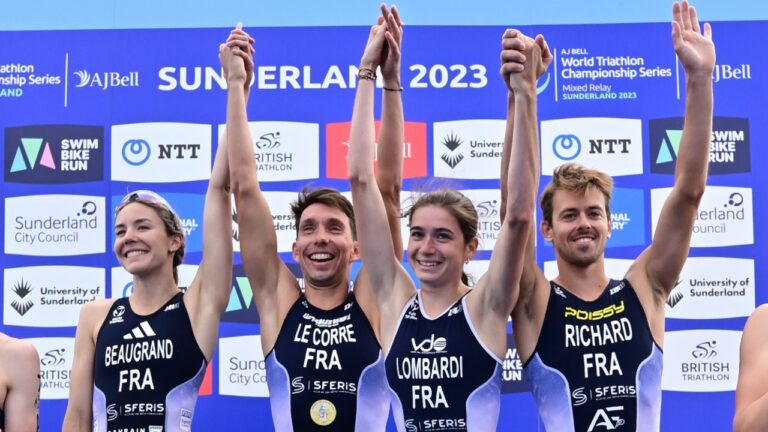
(389, 152)
(208, 295)
(496, 294)
(274, 287)
(661, 263)
(510, 61)
(23, 397)
(752, 389)
(382, 266)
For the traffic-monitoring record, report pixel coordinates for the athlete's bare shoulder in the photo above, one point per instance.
(17, 356)
(93, 313)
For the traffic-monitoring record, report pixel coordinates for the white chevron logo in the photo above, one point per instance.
(142, 331)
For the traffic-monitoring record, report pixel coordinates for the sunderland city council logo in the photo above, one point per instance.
(323, 412)
(54, 154)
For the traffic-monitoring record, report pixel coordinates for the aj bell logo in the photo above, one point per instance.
(136, 152)
(105, 80)
(268, 141)
(432, 344)
(22, 289)
(705, 350)
(452, 142)
(53, 358)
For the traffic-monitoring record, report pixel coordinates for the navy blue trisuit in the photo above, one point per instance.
(326, 371)
(596, 366)
(441, 375)
(147, 369)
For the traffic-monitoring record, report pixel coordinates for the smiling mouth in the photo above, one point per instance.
(134, 253)
(426, 263)
(320, 257)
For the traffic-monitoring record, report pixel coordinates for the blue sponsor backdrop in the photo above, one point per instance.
(106, 78)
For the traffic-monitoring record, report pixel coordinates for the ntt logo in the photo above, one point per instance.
(136, 152)
(566, 147)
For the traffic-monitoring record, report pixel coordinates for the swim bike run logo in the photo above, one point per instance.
(48, 154)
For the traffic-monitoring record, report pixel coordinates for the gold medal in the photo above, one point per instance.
(323, 412)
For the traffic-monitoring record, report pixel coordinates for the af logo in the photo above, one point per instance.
(605, 420)
(452, 142)
(429, 345)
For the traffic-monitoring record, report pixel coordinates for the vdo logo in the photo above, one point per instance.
(430, 345)
(161, 152)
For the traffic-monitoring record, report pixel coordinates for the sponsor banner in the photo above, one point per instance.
(414, 149)
(55, 225)
(710, 288)
(241, 307)
(612, 145)
(614, 268)
(49, 154)
(161, 152)
(104, 80)
(590, 73)
(468, 149)
(701, 360)
(729, 148)
(724, 217)
(732, 72)
(285, 150)
(49, 296)
(55, 365)
(20, 78)
(122, 281)
(488, 206)
(627, 218)
(282, 219)
(189, 208)
(512, 377)
(242, 370)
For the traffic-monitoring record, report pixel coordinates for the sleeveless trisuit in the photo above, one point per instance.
(596, 366)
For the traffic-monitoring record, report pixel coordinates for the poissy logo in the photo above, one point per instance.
(729, 148)
(54, 154)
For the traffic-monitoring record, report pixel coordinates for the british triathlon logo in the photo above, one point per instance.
(54, 154)
(54, 357)
(22, 303)
(729, 148)
(452, 142)
(701, 360)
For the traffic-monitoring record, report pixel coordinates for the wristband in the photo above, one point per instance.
(366, 74)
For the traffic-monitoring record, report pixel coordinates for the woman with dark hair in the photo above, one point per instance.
(139, 361)
(444, 344)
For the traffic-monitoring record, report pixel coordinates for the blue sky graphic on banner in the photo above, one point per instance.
(614, 92)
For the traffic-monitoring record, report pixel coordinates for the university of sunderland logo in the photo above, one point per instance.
(452, 142)
(235, 227)
(142, 331)
(22, 304)
(676, 295)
